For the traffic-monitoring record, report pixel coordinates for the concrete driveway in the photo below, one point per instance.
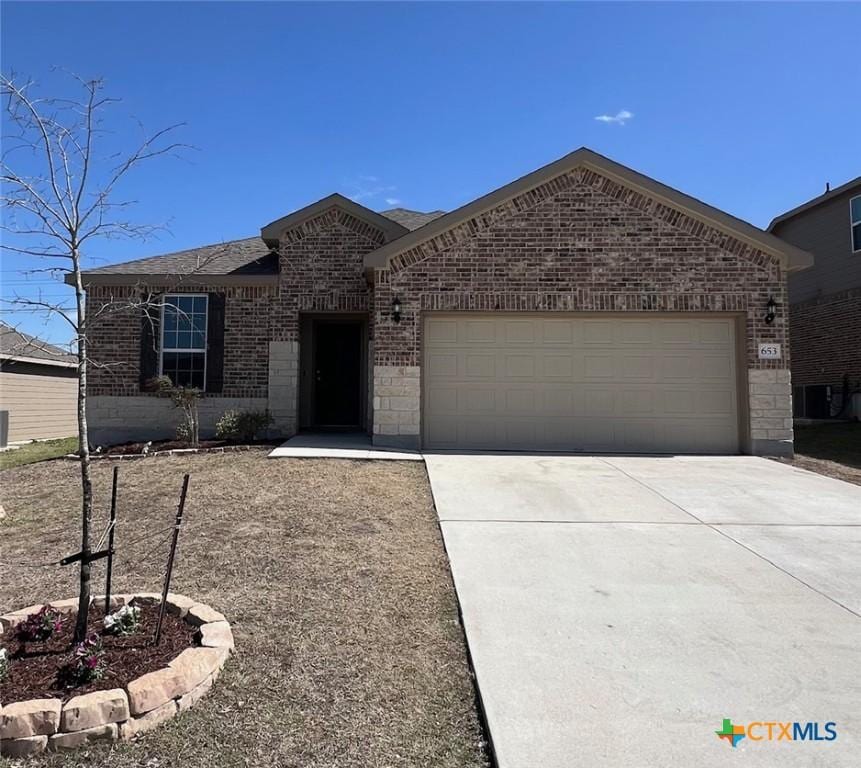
(617, 609)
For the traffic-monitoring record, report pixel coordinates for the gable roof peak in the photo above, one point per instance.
(583, 157)
(272, 231)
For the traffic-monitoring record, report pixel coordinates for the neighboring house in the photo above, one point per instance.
(584, 306)
(38, 388)
(825, 302)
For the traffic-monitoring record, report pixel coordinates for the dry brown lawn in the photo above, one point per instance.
(334, 577)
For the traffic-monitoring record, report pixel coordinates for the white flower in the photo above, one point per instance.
(124, 620)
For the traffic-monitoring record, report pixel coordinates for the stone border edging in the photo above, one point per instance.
(171, 452)
(32, 726)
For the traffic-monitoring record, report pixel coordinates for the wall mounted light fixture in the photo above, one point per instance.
(396, 309)
(769, 315)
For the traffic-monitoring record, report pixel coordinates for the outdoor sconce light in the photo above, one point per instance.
(769, 316)
(396, 309)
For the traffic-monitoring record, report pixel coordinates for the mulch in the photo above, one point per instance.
(36, 668)
(137, 449)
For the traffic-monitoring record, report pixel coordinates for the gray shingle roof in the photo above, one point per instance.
(250, 256)
(14, 343)
(411, 219)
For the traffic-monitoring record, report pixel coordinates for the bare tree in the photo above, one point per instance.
(60, 195)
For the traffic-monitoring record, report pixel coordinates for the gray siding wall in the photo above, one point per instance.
(825, 232)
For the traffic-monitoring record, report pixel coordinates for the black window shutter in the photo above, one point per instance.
(150, 342)
(215, 343)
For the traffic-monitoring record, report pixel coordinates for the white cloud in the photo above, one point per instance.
(620, 118)
(393, 201)
(365, 187)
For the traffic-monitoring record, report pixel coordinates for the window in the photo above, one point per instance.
(855, 219)
(183, 339)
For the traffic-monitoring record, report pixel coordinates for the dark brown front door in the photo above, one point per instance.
(337, 371)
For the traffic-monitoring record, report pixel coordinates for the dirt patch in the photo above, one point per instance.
(333, 576)
(830, 448)
(38, 669)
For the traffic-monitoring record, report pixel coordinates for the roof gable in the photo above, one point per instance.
(444, 231)
(849, 186)
(271, 233)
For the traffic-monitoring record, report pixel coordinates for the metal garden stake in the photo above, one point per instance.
(113, 522)
(179, 511)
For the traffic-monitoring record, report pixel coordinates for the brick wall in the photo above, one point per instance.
(115, 338)
(322, 269)
(581, 242)
(826, 339)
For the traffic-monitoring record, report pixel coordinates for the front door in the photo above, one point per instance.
(337, 373)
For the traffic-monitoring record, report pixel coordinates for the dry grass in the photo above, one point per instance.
(333, 574)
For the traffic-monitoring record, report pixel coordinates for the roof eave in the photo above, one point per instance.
(176, 280)
(815, 202)
(37, 360)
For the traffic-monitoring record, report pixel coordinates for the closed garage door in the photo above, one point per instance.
(637, 383)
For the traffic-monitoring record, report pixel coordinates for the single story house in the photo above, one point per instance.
(825, 302)
(38, 389)
(582, 307)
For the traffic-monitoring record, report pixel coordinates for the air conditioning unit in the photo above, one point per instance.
(817, 401)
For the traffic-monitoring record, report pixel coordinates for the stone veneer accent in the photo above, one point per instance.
(770, 403)
(397, 402)
(30, 727)
(116, 419)
(284, 385)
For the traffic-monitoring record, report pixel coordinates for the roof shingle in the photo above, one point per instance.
(249, 256)
(411, 219)
(15, 344)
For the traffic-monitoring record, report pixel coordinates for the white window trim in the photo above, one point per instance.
(196, 351)
(853, 224)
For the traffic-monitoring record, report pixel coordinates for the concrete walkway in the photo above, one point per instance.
(338, 445)
(617, 609)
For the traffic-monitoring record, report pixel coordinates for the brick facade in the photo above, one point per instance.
(114, 317)
(577, 243)
(583, 243)
(820, 330)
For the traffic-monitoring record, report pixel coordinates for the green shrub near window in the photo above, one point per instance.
(244, 426)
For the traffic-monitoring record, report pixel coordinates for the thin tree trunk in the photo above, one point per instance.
(84, 454)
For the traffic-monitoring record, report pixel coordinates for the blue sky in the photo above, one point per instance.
(749, 107)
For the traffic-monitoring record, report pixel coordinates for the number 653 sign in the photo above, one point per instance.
(768, 351)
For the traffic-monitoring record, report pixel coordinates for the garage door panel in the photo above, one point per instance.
(441, 365)
(480, 366)
(598, 367)
(562, 382)
(479, 332)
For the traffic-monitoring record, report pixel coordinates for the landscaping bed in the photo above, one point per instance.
(117, 683)
(39, 669)
(163, 446)
(335, 581)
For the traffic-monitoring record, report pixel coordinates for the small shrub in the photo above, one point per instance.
(41, 625)
(89, 661)
(4, 664)
(125, 621)
(186, 399)
(244, 426)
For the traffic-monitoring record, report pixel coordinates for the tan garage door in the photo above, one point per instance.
(567, 382)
